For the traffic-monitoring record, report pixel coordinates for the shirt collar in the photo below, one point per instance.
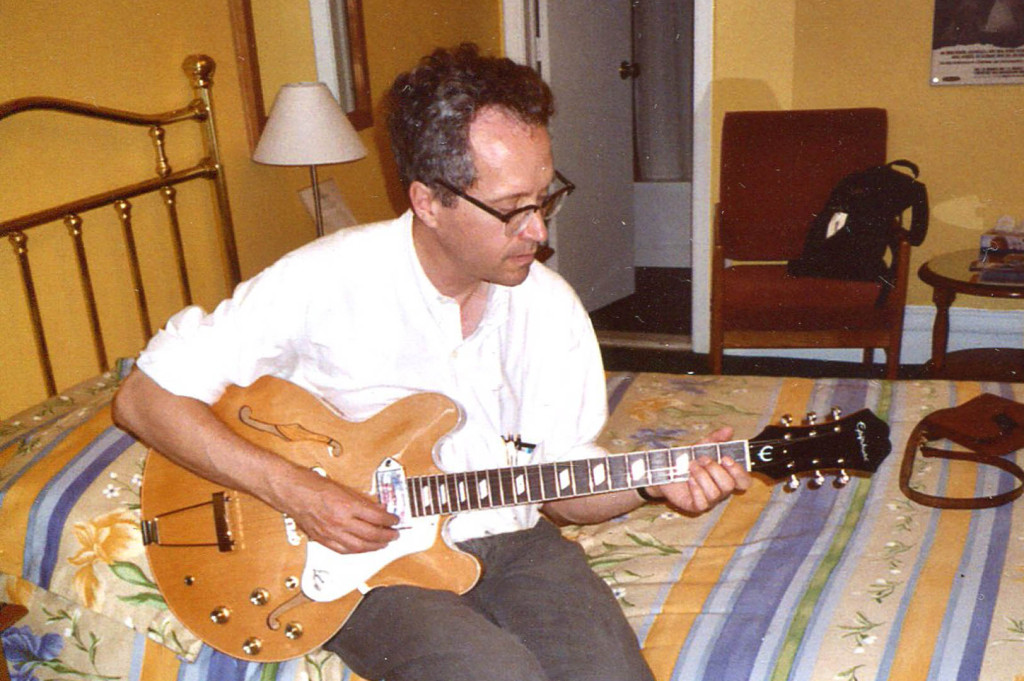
(439, 305)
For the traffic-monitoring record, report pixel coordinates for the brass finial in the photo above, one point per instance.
(19, 241)
(199, 68)
(73, 222)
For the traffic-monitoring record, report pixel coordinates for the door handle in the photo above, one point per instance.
(629, 70)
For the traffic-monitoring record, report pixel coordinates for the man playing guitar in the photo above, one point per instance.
(448, 298)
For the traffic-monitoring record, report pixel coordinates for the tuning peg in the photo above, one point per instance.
(793, 484)
(786, 420)
(837, 413)
(812, 418)
(842, 480)
(818, 480)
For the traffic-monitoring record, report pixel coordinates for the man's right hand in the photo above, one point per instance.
(336, 516)
(187, 432)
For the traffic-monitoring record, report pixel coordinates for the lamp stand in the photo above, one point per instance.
(316, 202)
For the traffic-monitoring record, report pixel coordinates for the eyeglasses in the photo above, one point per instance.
(517, 220)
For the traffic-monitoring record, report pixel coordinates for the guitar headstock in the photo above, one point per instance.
(858, 442)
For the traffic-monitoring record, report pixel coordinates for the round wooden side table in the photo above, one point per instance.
(950, 274)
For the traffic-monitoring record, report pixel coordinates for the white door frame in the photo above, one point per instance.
(514, 13)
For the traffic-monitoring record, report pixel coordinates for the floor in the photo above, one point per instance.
(650, 331)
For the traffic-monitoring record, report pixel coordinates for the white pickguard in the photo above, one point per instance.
(329, 575)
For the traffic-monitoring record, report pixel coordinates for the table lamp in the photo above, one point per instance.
(307, 127)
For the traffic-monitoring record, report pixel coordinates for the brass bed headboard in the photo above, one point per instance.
(199, 69)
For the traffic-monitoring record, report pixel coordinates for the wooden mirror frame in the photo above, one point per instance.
(247, 59)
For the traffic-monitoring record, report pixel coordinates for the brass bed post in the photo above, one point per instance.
(169, 194)
(200, 70)
(124, 216)
(74, 225)
(20, 243)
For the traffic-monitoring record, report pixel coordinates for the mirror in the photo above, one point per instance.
(340, 48)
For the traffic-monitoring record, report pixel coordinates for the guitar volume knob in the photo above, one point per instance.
(252, 646)
(259, 597)
(220, 615)
(293, 631)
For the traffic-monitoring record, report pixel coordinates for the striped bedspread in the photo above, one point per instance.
(851, 583)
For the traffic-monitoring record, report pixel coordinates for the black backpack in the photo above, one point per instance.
(848, 238)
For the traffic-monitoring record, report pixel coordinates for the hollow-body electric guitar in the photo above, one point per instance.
(244, 579)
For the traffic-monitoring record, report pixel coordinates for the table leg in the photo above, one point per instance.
(943, 299)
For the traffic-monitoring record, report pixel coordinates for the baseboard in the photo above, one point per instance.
(631, 340)
(968, 328)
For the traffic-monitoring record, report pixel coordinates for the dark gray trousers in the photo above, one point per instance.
(539, 613)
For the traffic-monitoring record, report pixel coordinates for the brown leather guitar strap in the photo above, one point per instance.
(988, 428)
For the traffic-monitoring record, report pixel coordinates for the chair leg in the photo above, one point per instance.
(715, 360)
(892, 364)
(869, 356)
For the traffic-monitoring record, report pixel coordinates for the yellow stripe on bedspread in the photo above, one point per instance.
(159, 663)
(18, 500)
(685, 601)
(921, 623)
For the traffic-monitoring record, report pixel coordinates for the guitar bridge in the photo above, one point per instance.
(187, 526)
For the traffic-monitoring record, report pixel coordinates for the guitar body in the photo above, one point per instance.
(230, 567)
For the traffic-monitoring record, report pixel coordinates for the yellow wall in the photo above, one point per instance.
(127, 54)
(966, 139)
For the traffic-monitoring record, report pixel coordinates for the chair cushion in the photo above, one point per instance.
(766, 298)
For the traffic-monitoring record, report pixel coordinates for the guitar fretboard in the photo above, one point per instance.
(445, 493)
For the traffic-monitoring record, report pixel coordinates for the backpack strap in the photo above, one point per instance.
(909, 165)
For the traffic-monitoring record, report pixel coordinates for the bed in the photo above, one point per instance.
(851, 582)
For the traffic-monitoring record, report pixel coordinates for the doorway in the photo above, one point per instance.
(671, 215)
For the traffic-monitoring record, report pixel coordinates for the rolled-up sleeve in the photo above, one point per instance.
(251, 334)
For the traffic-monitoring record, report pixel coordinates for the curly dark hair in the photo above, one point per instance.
(429, 111)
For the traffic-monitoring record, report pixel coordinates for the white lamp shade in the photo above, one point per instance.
(307, 127)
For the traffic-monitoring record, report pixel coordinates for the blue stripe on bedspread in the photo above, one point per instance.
(768, 594)
(973, 597)
(753, 606)
(49, 513)
(210, 664)
(973, 593)
(872, 493)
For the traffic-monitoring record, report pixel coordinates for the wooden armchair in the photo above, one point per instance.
(777, 170)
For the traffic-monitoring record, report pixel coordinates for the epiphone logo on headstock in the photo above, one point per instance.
(766, 453)
(863, 440)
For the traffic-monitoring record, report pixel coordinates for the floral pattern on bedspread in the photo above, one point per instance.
(69, 494)
(851, 584)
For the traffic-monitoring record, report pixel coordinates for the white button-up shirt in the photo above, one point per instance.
(353, 318)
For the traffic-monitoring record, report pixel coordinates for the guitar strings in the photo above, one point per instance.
(269, 521)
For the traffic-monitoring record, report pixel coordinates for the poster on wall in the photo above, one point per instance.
(978, 42)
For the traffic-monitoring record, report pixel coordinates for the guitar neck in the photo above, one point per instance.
(445, 493)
